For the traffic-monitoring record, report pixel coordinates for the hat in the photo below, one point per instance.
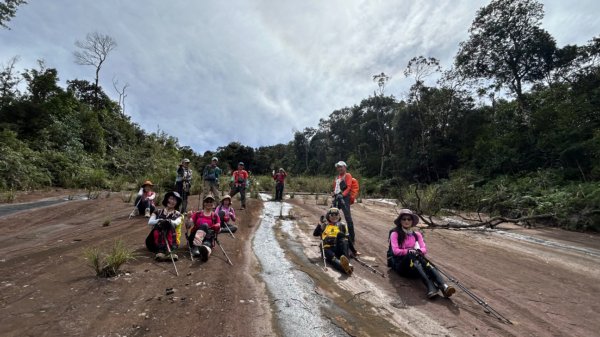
(241, 163)
(208, 196)
(227, 196)
(341, 163)
(405, 211)
(147, 182)
(215, 159)
(281, 169)
(172, 194)
(332, 210)
(185, 160)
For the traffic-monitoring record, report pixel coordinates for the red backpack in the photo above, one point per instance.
(354, 190)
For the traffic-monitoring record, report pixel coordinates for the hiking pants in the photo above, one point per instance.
(211, 186)
(183, 192)
(242, 191)
(402, 265)
(340, 248)
(343, 203)
(143, 204)
(279, 191)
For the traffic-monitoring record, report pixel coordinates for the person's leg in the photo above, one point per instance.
(348, 217)
(243, 196)
(279, 191)
(215, 190)
(184, 197)
(420, 269)
(205, 188)
(438, 279)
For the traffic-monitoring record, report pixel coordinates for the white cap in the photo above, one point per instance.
(215, 159)
(185, 160)
(341, 163)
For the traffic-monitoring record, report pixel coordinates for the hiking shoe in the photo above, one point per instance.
(195, 251)
(147, 213)
(345, 263)
(160, 257)
(243, 208)
(204, 253)
(448, 290)
(174, 256)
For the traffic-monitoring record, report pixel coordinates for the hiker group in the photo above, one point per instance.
(406, 252)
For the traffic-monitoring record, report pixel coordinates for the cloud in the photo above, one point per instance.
(212, 72)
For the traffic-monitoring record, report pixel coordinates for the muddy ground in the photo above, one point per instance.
(543, 280)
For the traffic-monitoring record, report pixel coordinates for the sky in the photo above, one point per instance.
(213, 72)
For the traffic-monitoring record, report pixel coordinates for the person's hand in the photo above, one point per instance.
(412, 251)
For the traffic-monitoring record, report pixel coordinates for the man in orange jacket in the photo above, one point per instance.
(341, 196)
(240, 181)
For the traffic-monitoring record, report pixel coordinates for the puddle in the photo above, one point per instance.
(9, 209)
(292, 291)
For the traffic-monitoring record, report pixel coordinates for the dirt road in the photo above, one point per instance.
(543, 280)
(46, 288)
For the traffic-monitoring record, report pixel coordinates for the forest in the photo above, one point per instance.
(512, 127)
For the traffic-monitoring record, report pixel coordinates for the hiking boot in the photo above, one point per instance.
(174, 256)
(431, 289)
(160, 257)
(448, 290)
(195, 251)
(147, 213)
(204, 253)
(346, 266)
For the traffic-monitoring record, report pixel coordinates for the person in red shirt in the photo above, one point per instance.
(204, 225)
(341, 197)
(240, 182)
(279, 178)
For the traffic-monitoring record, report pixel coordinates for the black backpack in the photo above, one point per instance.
(390, 253)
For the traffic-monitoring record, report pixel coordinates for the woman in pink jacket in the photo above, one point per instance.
(406, 253)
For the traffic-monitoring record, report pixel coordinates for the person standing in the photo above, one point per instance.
(341, 195)
(183, 182)
(279, 178)
(211, 175)
(240, 182)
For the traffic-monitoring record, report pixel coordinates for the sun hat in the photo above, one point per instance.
(341, 163)
(405, 211)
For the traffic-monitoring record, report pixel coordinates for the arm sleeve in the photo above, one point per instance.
(348, 180)
(421, 242)
(141, 191)
(151, 196)
(176, 222)
(216, 226)
(396, 249)
(318, 230)
(152, 221)
(232, 213)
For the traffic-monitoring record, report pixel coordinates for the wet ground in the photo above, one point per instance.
(544, 280)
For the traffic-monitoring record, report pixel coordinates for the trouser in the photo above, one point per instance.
(242, 191)
(279, 191)
(184, 191)
(411, 265)
(143, 204)
(335, 251)
(343, 203)
(155, 241)
(211, 187)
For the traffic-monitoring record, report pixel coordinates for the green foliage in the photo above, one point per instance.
(108, 264)
(8, 10)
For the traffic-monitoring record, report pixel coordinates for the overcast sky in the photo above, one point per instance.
(212, 72)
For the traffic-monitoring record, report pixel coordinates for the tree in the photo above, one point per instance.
(507, 45)
(9, 81)
(8, 10)
(93, 52)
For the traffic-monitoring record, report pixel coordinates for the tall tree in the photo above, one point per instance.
(507, 45)
(93, 51)
(8, 10)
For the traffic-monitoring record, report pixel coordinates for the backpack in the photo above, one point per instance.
(354, 190)
(390, 253)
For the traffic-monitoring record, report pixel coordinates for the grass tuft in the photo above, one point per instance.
(108, 265)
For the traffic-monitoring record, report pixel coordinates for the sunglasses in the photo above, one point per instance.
(336, 214)
(405, 219)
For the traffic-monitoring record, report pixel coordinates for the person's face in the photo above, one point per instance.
(341, 169)
(213, 163)
(171, 202)
(406, 221)
(334, 217)
(186, 164)
(208, 204)
(240, 167)
(147, 188)
(226, 202)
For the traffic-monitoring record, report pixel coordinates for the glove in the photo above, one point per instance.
(141, 191)
(412, 252)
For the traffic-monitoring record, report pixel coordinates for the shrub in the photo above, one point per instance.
(108, 265)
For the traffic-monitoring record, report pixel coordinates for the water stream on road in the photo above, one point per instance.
(292, 291)
(9, 209)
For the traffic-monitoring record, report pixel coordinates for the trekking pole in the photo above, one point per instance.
(368, 266)
(135, 207)
(229, 229)
(223, 250)
(187, 238)
(486, 307)
(170, 254)
(324, 259)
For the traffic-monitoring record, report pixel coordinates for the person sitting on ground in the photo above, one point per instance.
(204, 226)
(334, 236)
(144, 202)
(406, 255)
(279, 178)
(240, 182)
(166, 226)
(211, 176)
(226, 214)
